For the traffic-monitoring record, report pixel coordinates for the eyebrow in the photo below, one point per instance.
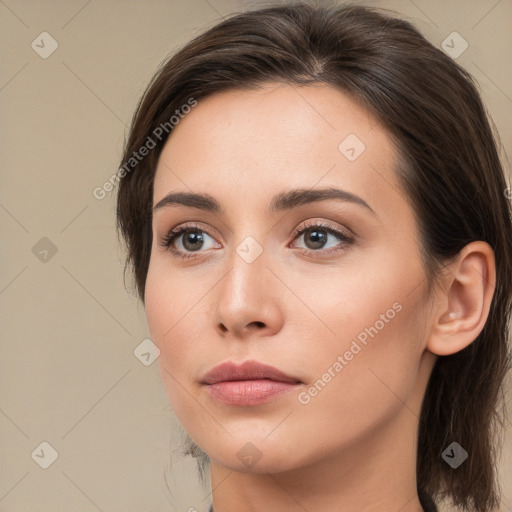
(282, 201)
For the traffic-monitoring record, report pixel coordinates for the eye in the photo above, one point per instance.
(316, 237)
(185, 239)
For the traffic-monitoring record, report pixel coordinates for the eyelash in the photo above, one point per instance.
(168, 240)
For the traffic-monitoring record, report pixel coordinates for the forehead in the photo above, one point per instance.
(278, 136)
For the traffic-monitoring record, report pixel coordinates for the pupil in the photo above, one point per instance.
(317, 237)
(191, 239)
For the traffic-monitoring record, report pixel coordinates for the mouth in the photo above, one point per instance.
(251, 383)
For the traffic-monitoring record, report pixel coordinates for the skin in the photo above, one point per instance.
(295, 307)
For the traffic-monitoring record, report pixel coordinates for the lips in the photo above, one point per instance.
(249, 370)
(248, 384)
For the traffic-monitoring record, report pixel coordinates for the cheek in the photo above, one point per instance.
(375, 338)
(374, 356)
(169, 313)
(177, 308)
(159, 311)
(360, 382)
(165, 303)
(363, 301)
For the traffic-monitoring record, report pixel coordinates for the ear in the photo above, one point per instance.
(463, 300)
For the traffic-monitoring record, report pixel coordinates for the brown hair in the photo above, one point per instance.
(448, 166)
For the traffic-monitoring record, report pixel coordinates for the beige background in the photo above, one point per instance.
(68, 374)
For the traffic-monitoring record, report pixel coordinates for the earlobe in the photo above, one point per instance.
(466, 300)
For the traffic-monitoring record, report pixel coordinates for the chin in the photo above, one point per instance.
(253, 454)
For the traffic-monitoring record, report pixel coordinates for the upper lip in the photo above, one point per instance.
(249, 370)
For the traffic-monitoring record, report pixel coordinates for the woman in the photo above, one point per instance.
(316, 216)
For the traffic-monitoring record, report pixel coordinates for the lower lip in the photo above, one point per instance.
(249, 392)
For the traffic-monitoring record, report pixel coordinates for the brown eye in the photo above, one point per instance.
(186, 239)
(315, 238)
(322, 238)
(192, 240)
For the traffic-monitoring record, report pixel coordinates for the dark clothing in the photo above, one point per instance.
(425, 500)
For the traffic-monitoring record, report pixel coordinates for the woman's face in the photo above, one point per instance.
(340, 308)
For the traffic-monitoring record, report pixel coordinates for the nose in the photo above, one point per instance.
(249, 300)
